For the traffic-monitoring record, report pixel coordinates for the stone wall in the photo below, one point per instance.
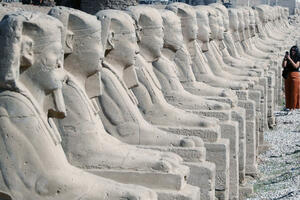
(93, 6)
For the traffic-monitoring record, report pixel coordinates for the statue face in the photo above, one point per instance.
(173, 33)
(241, 20)
(233, 20)
(204, 32)
(221, 28)
(214, 26)
(252, 22)
(246, 18)
(89, 52)
(189, 27)
(47, 68)
(225, 17)
(125, 47)
(152, 40)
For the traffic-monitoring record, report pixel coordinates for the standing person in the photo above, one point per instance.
(291, 63)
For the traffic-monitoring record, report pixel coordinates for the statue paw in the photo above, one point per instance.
(163, 166)
(198, 142)
(187, 142)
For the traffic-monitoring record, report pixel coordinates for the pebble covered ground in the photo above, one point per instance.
(279, 167)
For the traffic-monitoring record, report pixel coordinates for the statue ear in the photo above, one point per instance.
(139, 31)
(69, 42)
(26, 52)
(110, 41)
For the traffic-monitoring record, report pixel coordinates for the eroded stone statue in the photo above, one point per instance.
(174, 67)
(33, 164)
(149, 92)
(119, 111)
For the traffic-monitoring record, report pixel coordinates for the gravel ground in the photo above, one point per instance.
(280, 166)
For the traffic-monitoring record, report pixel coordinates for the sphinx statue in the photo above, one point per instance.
(174, 92)
(151, 100)
(33, 163)
(214, 55)
(150, 95)
(253, 34)
(119, 112)
(178, 56)
(234, 65)
(201, 69)
(84, 139)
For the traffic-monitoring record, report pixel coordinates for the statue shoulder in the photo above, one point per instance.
(13, 104)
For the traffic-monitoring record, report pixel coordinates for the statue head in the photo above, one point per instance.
(83, 46)
(221, 25)
(32, 56)
(246, 14)
(82, 40)
(224, 13)
(233, 19)
(252, 24)
(261, 13)
(241, 20)
(173, 38)
(286, 12)
(121, 46)
(150, 31)
(214, 22)
(187, 16)
(204, 32)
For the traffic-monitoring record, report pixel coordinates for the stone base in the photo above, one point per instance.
(245, 191)
(219, 154)
(251, 154)
(203, 175)
(238, 114)
(229, 130)
(187, 193)
(211, 134)
(188, 154)
(153, 180)
(263, 148)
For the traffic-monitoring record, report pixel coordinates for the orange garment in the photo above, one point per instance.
(292, 90)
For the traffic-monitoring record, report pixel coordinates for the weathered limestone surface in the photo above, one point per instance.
(173, 99)
(93, 6)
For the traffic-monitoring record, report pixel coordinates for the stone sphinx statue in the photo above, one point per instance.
(217, 48)
(178, 56)
(165, 70)
(235, 65)
(151, 100)
(202, 68)
(85, 141)
(119, 112)
(33, 163)
(253, 34)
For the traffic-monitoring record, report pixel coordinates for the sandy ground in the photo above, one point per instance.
(280, 165)
(43, 9)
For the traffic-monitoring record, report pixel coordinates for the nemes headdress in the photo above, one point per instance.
(184, 11)
(22, 30)
(77, 24)
(145, 17)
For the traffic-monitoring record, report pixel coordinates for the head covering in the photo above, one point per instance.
(15, 30)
